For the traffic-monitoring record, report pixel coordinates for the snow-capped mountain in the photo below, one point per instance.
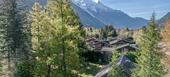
(95, 14)
(87, 19)
(106, 15)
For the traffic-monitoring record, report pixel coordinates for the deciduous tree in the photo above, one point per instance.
(56, 39)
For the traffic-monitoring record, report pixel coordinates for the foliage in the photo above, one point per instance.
(132, 56)
(15, 33)
(166, 33)
(56, 39)
(116, 71)
(148, 60)
(108, 31)
(24, 69)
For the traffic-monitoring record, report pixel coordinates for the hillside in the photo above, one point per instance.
(107, 15)
(162, 20)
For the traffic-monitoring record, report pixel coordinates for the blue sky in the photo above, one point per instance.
(140, 8)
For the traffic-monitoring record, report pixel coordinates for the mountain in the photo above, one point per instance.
(86, 18)
(163, 20)
(96, 14)
(106, 15)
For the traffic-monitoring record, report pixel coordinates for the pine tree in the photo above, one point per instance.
(8, 22)
(1, 36)
(16, 38)
(108, 31)
(148, 60)
(3, 28)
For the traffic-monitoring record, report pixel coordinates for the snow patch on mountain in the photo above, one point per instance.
(97, 1)
(107, 15)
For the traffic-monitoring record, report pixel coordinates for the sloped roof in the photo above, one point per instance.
(123, 60)
(107, 49)
(92, 38)
(114, 41)
(111, 49)
(122, 39)
(103, 71)
(125, 45)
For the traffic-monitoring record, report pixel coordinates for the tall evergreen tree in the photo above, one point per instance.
(1, 35)
(108, 31)
(148, 61)
(9, 23)
(16, 40)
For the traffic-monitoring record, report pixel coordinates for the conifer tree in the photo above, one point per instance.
(8, 21)
(108, 31)
(148, 60)
(2, 31)
(15, 31)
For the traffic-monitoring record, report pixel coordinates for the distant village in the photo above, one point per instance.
(101, 50)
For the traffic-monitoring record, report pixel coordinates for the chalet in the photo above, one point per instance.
(112, 38)
(127, 47)
(107, 51)
(97, 45)
(114, 43)
(106, 44)
(120, 41)
(103, 50)
(121, 48)
(91, 39)
(107, 47)
(94, 43)
(126, 64)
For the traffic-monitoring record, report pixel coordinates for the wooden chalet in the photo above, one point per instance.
(120, 41)
(126, 47)
(103, 49)
(94, 43)
(98, 45)
(91, 39)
